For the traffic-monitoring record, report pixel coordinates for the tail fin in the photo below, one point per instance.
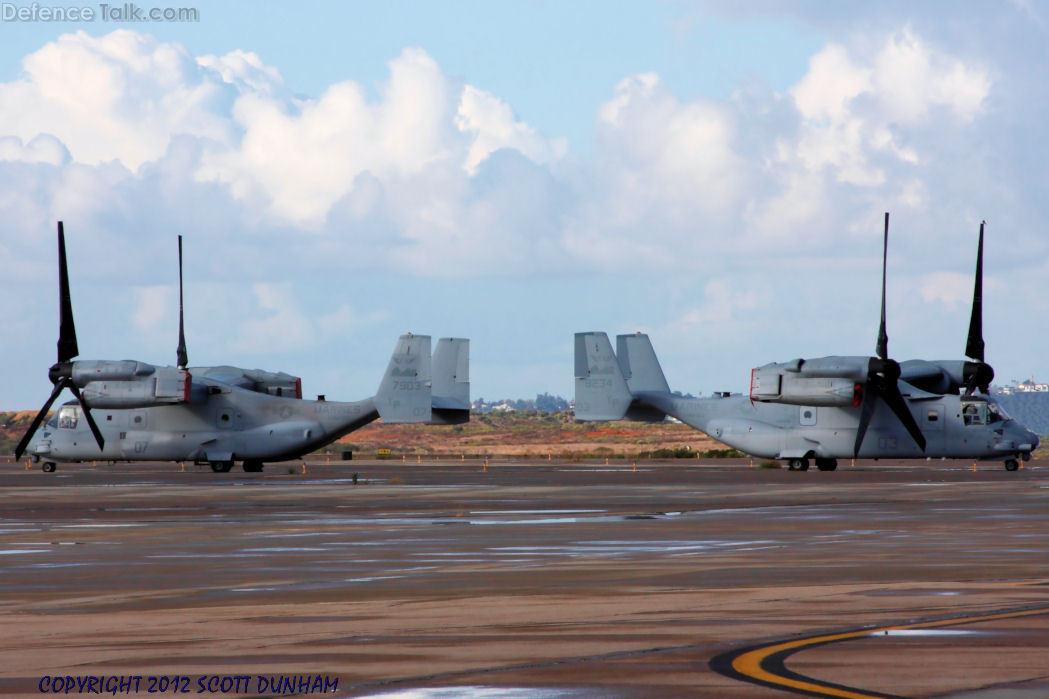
(601, 392)
(451, 381)
(637, 360)
(405, 393)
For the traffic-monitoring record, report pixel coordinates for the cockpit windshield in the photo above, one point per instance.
(68, 417)
(996, 413)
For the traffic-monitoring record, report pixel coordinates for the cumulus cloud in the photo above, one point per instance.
(724, 302)
(116, 97)
(43, 148)
(871, 121)
(152, 306)
(441, 178)
(131, 140)
(953, 289)
(493, 124)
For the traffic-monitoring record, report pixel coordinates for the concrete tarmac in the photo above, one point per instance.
(544, 578)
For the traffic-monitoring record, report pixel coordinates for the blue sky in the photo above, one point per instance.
(713, 173)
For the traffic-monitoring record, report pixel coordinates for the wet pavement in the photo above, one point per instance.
(570, 579)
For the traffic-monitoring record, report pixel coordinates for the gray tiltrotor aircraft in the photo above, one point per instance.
(822, 409)
(132, 411)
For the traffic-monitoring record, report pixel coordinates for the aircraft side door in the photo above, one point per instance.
(932, 419)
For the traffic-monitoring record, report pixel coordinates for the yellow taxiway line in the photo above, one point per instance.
(752, 663)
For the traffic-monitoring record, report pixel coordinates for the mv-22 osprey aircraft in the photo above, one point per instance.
(132, 411)
(822, 409)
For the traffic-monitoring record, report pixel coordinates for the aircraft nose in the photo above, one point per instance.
(1025, 437)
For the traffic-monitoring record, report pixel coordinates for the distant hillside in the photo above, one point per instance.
(1030, 409)
(12, 426)
(528, 433)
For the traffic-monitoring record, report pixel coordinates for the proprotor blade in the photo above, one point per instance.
(883, 382)
(87, 415)
(883, 338)
(183, 358)
(974, 345)
(67, 347)
(24, 442)
(896, 401)
(866, 409)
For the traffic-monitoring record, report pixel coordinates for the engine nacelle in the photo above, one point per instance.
(87, 371)
(161, 386)
(826, 381)
(275, 383)
(945, 375)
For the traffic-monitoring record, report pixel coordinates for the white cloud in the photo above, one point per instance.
(953, 289)
(152, 305)
(246, 71)
(43, 148)
(120, 96)
(775, 196)
(277, 325)
(723, 303)
(299, 159)
(493, 124)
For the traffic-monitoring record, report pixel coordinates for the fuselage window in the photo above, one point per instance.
(933, 416)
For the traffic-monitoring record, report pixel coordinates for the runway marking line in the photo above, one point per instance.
(765, 664)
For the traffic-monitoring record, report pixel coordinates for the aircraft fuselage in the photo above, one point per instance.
(234, 424)
(954, 427)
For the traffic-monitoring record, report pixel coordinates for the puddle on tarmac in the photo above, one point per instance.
(629, 548)
(533, 512)
(909, 593)
(15, 552)
(930, 633)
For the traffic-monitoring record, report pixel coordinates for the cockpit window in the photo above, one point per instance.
(68, 417)
(975, 413)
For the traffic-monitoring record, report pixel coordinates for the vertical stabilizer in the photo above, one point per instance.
(451, 372)
(601, 392)
(637, 361)
(406, 392)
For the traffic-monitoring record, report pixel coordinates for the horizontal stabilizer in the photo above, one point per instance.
(601, 392)
(406, 391)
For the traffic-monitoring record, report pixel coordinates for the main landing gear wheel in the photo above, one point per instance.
(827, 464)
(252, 467)
(798, 464)
(1011, 464)
(48, 467)
(221, 466)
